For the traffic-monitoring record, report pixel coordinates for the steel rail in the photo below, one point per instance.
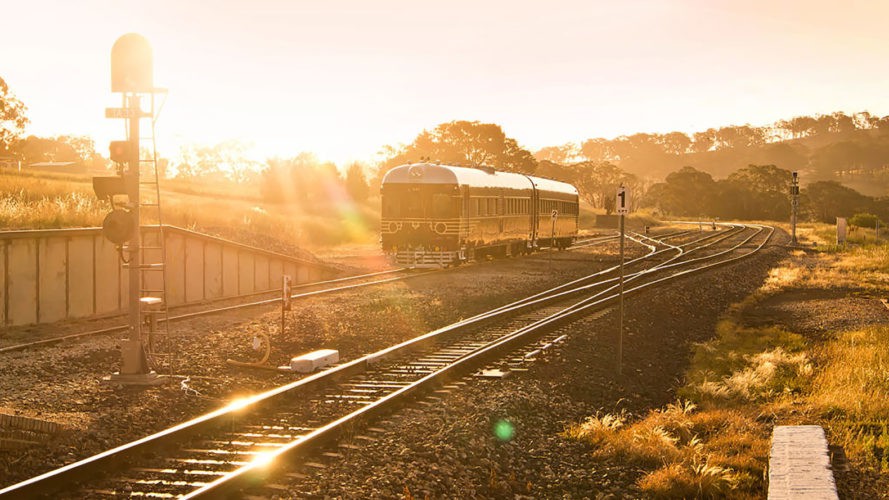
(247, 474)
(207, 312)
(217, 310)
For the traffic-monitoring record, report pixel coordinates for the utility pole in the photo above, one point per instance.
(794, 205)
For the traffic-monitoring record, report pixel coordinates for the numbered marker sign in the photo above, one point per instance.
(623, 201)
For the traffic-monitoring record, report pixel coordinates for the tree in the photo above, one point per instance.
(356, 183)
(12, 118)
(224, 161)
(686, 192)
(597, 149)
(597, 183)
(302, 180)
(827, 200)
(865, 220)
(704, 141)
(464, 143)
(676, 143)
(755, 192)
(35, 149)
(563, 154)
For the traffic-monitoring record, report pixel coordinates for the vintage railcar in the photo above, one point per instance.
(439, 215)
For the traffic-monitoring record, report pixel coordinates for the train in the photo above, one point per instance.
(437, 215)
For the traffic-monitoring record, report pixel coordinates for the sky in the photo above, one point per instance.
(344, 78)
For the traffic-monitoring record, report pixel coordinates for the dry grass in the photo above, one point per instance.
(46, 201)
(710, 454)
(28, 202)
(851, 393)
(747, 364)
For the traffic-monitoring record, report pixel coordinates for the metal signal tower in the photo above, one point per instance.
(132, 75)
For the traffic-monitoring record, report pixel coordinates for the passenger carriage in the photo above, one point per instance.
(439, 215)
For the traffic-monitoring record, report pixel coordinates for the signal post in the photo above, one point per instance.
(623, 208)
(131, 75)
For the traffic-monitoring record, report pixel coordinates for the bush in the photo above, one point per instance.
(865, 220)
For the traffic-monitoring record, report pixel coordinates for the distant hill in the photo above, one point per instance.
(853, 150)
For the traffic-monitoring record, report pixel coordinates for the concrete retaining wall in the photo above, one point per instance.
(51, 275)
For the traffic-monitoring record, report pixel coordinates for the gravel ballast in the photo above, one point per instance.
(442, 448)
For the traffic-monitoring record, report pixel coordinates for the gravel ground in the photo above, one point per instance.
(435, 449)
(61, 383)
(447, 448)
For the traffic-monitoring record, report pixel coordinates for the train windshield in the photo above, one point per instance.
(420, 202)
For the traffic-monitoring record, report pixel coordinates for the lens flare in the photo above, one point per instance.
(504, 430)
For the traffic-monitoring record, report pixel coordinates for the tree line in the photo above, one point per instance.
(731, 172)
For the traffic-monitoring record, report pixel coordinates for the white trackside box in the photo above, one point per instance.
(314, 360)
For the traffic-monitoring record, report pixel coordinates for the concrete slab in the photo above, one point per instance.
(53, 276)
(230, 272)
(80, 277)
(213, 271)
(799, 464)
(194, 270)
(261, 273)
(22, 281)
(246, 272)
(175, 270)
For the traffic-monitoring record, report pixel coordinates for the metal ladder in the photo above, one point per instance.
(153, 293)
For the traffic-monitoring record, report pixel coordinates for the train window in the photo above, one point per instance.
(441, 205)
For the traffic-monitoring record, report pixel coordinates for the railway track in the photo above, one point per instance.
(329, 286)
(238, 445)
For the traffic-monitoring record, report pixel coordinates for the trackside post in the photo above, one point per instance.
(623, 208)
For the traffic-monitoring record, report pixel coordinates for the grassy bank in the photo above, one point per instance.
(51, 201)
(753, 375)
